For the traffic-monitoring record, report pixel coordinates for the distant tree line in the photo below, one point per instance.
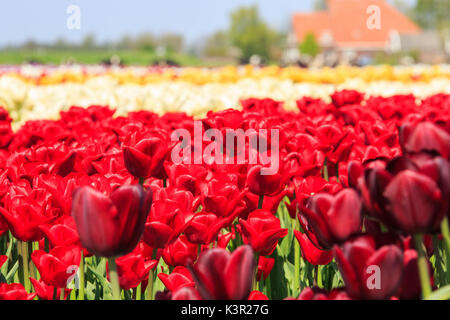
(247, 35)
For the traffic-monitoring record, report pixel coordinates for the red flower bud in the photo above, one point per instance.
(329, 219)
(14, 291)
(111, 225)
(368, 272)
(310, 252)
(262, 230)
(220, 275)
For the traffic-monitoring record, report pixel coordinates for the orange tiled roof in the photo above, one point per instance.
(346, 22)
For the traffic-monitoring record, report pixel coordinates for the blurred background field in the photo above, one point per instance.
(96, 56)
(311, 33)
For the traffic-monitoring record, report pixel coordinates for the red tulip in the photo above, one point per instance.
(146, 157)
(220, 275)
(25, 210)
(133, 269)
(345, 97)
(14, 291)
(310, 252)
(264, 184)
(221, 198)
(328, 219)
(204, 227)
(180, 252)
(62, 232)
(265, 266)
(111, 225)
(270, 204)
(262, 231)
(370, 272)
(187, 177)
(256, 295)
(168, 218)
(46, 292)
(316, 293)
(57, 266)
(179, 278)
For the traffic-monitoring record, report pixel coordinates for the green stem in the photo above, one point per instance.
(47, 245)
(141, 181)
(81, 284)
(268, 287)
(260, 201)
(139, 292)
(255, 276)
(61, 294)
(438, 262)
(26, 272)
(337, 173)
(296, 261)
(151, 279)
(114, 278)
(316, 274)
(164, 183)
(319, 276)
(149, 291)
(423, 267)
(31, 266)
(325, 170)
(446, 240)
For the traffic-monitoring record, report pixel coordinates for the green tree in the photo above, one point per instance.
(432, 14)
(217, 44)
(320, 5)
(309, 45)
(173, 42)
(251, 34)
(146, 41)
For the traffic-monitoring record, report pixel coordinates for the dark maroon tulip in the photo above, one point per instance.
(425, 136)
(111, 225)
(328, 219)
(370, 272)
(410, 287)
(186, 293)
(220, 275)
(408, 195)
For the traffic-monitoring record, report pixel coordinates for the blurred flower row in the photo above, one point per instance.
(27, 101)
(95, 207)
(45, 75)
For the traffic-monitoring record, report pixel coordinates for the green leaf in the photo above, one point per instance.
(278, 282)
(12, 272)
(289, 270)
(101, 279)
(4, 269)
(284, 248)
(440, 294)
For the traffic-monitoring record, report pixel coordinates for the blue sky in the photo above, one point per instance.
(45, 20)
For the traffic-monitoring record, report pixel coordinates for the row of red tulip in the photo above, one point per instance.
(358, 208)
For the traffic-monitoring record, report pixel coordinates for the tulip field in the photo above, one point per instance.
(224, 184)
